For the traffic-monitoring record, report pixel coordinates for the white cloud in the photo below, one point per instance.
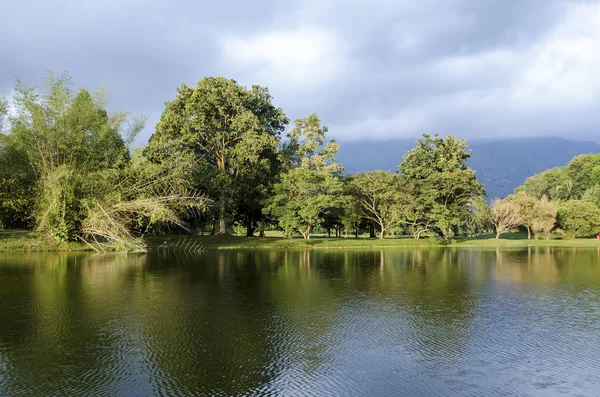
(564, 69)
(550, 87)
(301, 57)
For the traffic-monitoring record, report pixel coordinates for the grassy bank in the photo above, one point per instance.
(29, 241)
(235, 242)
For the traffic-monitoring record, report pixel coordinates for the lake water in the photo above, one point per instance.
(322, 323)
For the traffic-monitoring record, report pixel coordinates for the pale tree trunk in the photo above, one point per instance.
(528, 233)
(382, 233)
(498, 233)
(222, 223)
(306, 233)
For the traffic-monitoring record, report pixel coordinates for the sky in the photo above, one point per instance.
(371, 69)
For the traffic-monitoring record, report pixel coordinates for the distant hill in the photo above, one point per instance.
(500, 165)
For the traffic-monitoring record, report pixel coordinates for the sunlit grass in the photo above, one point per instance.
(30, 241)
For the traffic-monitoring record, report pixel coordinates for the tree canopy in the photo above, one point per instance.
(229, 127)
(440, 184)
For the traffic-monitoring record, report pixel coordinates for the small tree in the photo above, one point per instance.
(479, 216)
(313, 184)
(545, 217)
(377, 193)
(528, 210)
(504, 216)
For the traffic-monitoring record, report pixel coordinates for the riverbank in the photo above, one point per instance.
(235, 242)
(30, 241)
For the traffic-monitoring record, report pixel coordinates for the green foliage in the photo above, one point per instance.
(545, 217)
(440, 185)
(479, 217)
(59, 137)
(227, 128)
(564, 183)
(314, 183)
(527, 209)
(67, 158)
(579, 218)
(378, 194)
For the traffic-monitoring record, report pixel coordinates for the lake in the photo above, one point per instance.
(452, 322)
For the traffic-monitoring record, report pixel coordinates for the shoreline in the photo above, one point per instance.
(24, 241)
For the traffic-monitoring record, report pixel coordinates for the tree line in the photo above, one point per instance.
(218, 160)
(563, 201)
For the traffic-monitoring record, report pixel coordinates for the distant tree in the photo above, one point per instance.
(565, 183)
(504, 215)
(479, 216)
(545, 217)
(378, 194)
(232, 128)
(592, 194)
(553, 183)
(579, 218)
(353, 214)
(3, 112)
(528, 209)
(440, 183)
(313, 183)
(583, 172)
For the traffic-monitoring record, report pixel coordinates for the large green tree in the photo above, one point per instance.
(441, 185)
(230, 127)
(313, 183)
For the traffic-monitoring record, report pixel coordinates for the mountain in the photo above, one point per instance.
(500, 165)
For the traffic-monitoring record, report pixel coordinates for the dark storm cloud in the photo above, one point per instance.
(370, 68)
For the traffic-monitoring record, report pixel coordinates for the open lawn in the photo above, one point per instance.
(30, 241)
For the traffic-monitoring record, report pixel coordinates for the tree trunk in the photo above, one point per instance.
(382, 233)
(372, 231)
(356, 232)
(213, 226)
(528, 233)
(249, 228)
(222, 223)
(262, 226)
(306, 233)
(497, 235)
(328, 232)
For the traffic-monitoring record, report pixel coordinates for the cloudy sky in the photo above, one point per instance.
(371, 69)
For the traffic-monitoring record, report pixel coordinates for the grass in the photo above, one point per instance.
(363, 242)
(30, 241)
